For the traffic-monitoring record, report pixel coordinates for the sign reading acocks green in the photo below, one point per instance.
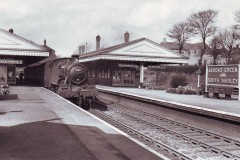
(223, 75)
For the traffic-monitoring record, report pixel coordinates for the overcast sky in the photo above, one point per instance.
(66, 24)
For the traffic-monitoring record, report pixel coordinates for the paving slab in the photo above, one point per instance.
(41, 125)
(221, 106)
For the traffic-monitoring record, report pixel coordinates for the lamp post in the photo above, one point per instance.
(199, 72)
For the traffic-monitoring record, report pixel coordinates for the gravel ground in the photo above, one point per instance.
(182, 146)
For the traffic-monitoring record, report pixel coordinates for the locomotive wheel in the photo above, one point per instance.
(61, 81)
(216, 96)
(87, 104)
(227, 96)
(80, 102)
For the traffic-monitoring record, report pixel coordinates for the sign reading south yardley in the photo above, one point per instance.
(10, 61)
(223, 75)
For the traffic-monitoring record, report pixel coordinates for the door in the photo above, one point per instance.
(11, 75)
(128, 77)
(116, 78)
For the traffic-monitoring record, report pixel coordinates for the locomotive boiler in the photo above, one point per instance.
(66, 77)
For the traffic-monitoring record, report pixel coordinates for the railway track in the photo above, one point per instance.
(201, 143)
(151, 142)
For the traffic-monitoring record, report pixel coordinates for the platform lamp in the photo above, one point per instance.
(198, 73)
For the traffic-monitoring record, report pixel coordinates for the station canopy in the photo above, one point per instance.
(15, 47)
(140, 50)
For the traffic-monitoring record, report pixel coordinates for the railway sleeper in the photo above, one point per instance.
(204, 146)
(194, 142)
(215, 150)
(227, 155)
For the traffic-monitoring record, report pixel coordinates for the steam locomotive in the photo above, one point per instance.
(64, 76)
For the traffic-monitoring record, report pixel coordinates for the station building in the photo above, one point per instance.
(17, 52)
(123, 64)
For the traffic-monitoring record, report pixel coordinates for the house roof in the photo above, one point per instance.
(12, 44)
(186, 46)
(142, 50)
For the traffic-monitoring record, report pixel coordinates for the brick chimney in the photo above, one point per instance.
(11, 30)
(98, 42)
(83, 49)
(45, 42)
(126, 37)
(80, 49)
(164, 40)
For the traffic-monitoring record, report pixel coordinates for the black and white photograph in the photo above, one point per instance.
(119, 80)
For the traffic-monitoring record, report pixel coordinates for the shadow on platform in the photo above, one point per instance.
(50, 140)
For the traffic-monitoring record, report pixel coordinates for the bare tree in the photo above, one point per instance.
(181, 32)
(203, 26)
(215, 45)
(228, 39)
(237, 15)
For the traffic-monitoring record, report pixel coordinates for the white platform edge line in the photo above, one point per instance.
(116, 129)
(176, 103)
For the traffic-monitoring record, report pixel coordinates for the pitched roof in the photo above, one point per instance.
(186, 46)
(12, 44)
(50, 58)
(110, 49)
(141, 50)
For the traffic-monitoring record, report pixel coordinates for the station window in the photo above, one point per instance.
(127, 73)
(99, 74)
(93, 74)
(103, 74)
(108, 74)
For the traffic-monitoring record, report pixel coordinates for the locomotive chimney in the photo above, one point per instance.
(83, 49)
(126, 37)
(98, 42)
(80, 49)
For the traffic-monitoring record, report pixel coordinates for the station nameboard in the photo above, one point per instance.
(223, 75)
(10, 61)
(128, 65)
(157, 67)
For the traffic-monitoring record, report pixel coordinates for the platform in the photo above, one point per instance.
(220, 108)
(40, 125)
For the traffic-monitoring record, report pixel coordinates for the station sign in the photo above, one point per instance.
(223, 75)
(157, 67)
(128, 65)
(10, 61)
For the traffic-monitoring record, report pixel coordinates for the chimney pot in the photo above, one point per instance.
(83, 49)
(11, 30)
(98, 42)
(126, 37)
(164, 40)
(80, 49)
